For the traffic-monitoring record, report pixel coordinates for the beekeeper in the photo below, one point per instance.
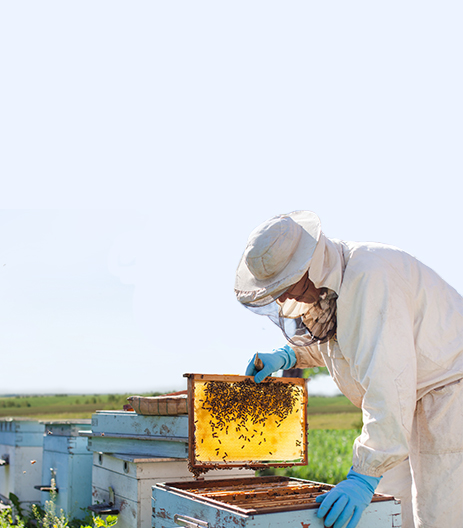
(390, 332)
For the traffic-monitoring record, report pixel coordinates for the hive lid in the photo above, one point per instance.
(235, 422)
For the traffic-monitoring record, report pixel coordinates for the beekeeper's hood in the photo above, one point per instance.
(278, 254)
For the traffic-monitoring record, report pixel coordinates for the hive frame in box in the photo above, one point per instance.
(201, 466)
(222, 493)
(251, 502)
(233, 503)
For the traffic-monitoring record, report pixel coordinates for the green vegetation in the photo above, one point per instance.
(61, 406)
(312, 372)
(6, 519)
(335, 421)
(333, 413)
(333, 404)
(49, 516)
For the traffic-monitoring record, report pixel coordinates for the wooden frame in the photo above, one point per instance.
(197, 462)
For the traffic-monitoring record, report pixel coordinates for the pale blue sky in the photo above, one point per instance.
(141, 143)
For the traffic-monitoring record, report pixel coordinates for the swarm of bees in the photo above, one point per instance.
(237, 423)
(238, 402)
(241, 410)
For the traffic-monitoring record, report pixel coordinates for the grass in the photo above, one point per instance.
(335, 412)
(339, 421)
(332, 404)
(61, 406)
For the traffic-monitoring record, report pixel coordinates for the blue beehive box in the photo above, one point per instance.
(21, 443)
(255, 502)
(131, 452)
(128, 433)
(67, 460)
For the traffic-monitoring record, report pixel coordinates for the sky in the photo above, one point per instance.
(141, 143)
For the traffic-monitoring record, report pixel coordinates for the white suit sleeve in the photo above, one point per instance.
(306, 356)
(375, 334)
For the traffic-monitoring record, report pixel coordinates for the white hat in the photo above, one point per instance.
(277, 255)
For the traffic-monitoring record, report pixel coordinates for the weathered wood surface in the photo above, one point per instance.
(125, 422)
(159, 405)
(132, 478)
(72, 463)
(171, 504)
(21, 443)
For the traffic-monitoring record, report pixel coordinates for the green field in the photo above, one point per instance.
(334, 423)
(61, 406)
(336, 412)
(334, 404)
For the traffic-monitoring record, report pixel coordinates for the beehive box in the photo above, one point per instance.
(257, 502)
(21, 446)
(133, 452)
(238, 423)
(130, 479)
(67, 459)
(129, 433)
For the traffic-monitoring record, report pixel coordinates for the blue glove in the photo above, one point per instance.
(280, 358)
(347, 500)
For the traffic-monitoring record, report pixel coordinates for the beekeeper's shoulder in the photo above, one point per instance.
(373, 261)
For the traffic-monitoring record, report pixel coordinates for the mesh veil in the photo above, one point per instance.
(303, 324)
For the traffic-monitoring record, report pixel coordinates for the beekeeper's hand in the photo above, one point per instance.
(347, 500)
(280, 358)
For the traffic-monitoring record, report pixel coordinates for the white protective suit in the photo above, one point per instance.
(398, 355)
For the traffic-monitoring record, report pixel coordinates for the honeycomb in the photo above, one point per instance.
(245, 422)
